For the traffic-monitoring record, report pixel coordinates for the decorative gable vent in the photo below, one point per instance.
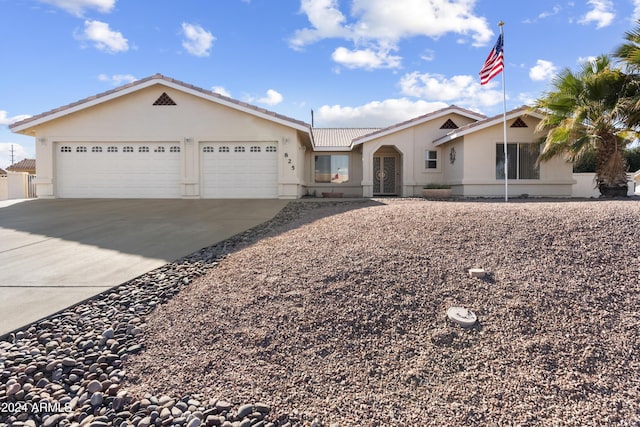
(449, 125)
(164, 99)
(519, 123)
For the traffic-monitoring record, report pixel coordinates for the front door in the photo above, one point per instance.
(385, 170)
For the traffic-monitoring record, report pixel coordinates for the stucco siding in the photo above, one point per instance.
(133, 117)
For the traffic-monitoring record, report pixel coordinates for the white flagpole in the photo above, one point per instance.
(504, 119)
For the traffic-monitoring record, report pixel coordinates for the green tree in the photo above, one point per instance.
(629, 52)
(633, 159)
(629, 55)
(587, 111)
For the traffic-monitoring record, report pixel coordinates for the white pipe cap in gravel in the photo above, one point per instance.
(462, 316)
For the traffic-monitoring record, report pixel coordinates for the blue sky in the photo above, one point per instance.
(357, 63)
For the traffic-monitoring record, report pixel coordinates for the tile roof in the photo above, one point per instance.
(338, 137)
(146, 82)
(26, 165)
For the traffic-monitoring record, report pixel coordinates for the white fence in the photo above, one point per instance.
(17, 185)
(585, 186)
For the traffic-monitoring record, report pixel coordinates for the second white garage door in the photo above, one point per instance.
(239, 170)
(118, 170)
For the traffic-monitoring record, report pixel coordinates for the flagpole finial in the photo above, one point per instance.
(500, 24)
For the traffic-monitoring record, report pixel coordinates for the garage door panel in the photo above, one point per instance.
(130, 169)
(239, 170)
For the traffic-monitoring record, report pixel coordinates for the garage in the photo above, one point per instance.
(162, 138)
(118, 170)
(233, 170)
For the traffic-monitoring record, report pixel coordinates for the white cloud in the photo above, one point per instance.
(325, 18)
(636, 10)
(222, 91)
(19, 153)
(586, 60)
(382, 19)
(78, 7)
(198, 41)
(554, 11)
(374, 114)
(526, 98)
(428, 55)
(602, 13)
(379, 26)
(103, 37)
(543, 70)
(117, 79)
(463, 90)
(6, 120)
(272, 98)
(366, 58)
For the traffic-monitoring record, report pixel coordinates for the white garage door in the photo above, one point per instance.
(118, 170)
(239, 170)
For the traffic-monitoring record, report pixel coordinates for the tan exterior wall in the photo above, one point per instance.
(412, 143)
(479, 159)
(473, 172)
(133, 117)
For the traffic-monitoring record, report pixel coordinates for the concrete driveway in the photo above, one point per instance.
(55, 253)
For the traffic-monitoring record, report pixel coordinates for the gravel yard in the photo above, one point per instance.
(338, 317)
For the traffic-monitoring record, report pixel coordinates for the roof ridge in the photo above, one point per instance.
(401, 125)
(165, 78)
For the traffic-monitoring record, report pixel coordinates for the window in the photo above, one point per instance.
(255, 149)
(431, 159)
(332, 169)
(127, 149)
(112, 149)
(96, 149)
(65, 149)
(522, 161)
(271, 149)
(223, 149)
(238, 149)
(143, 149)
(174, 149)
(208, 149)
(158, 150)
(81, 149)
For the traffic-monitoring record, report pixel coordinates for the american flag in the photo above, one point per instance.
(494, 63)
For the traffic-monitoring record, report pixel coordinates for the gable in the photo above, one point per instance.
(515, 122)
(449, 116)
(138, 115)
(28, 125)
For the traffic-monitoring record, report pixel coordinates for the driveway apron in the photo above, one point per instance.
(58, 252)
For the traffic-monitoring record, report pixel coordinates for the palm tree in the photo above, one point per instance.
(629, 54)
(586, 112)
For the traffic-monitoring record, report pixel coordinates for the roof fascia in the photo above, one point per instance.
(81, 105)
(326, 149)
(99, 99)
(474, 127)
(237, 105)
(415, 122)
